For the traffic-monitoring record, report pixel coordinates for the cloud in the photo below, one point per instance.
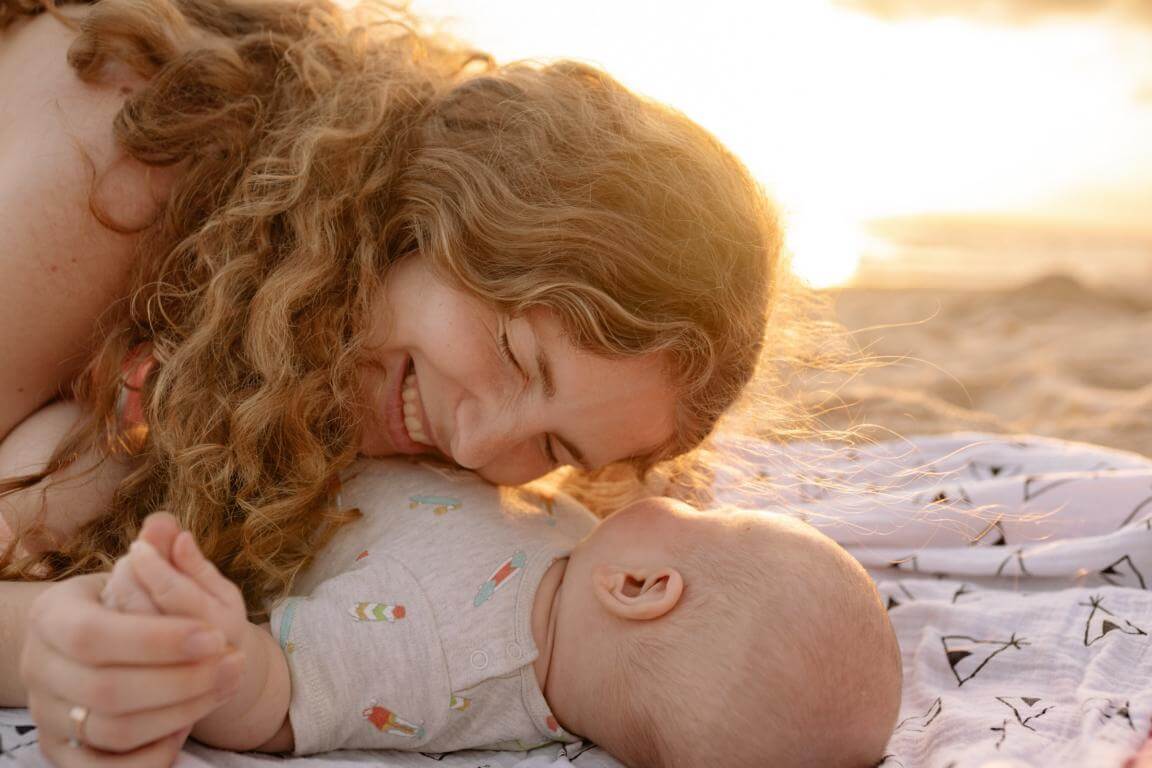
(1005, 11)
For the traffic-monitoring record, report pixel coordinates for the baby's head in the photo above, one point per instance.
(722, 639)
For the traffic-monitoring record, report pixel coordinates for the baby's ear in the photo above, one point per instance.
(637, 594)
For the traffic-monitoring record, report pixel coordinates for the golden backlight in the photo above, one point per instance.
(848, 117)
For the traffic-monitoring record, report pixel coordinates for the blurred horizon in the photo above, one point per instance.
(975, 143)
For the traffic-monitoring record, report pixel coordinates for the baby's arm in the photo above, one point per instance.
(256, 716)
(53, 509)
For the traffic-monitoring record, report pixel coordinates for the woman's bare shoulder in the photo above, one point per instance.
(62, 267)
(61, 126)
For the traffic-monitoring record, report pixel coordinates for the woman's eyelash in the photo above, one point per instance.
(506, 351)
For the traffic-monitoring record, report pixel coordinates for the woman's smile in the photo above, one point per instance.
(509, 397)
(408, 424)
(415, 418)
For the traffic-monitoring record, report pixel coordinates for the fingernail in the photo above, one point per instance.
(192, 549)
(196, 553)
(206, 642)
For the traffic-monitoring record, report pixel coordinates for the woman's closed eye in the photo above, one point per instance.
(510, 356)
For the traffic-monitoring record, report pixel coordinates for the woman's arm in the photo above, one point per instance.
(61, 503)
(15, 601)
(62, 269)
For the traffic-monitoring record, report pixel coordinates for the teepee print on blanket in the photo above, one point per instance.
(1025, 710)
(1124, 573)
(1101, 622)
(967, 656)
(1017, 572)
(920, 723)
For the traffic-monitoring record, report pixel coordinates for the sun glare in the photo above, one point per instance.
(846, 118)
(824, 251)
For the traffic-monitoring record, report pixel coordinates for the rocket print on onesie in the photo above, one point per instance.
(388, 721)
(499, 578)
(415, 633)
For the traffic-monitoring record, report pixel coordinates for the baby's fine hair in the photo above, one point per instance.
(320, 146)
(777, 657)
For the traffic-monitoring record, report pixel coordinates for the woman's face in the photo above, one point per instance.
(508, 397)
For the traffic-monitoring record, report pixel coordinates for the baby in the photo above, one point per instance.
(457, 615)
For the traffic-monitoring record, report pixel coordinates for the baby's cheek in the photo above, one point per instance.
(124, 593)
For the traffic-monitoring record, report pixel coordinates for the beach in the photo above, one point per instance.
(1055, 356)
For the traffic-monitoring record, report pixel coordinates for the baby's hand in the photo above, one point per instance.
(123, 592)
(188, 585)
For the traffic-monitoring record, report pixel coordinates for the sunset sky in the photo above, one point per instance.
(852, 111)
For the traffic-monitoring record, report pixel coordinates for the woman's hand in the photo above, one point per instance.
(1143, 758)
(185, 583)
(142, 679)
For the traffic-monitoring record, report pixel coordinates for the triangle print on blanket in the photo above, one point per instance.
(967, 656)
(1124, 573)
(919, 723)
(987, 470)
(1026, 708)
(1139, 511)
(1101, 622)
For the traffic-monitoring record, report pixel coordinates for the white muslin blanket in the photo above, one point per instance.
(1016, 571)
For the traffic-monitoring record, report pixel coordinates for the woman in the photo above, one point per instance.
(301, 223)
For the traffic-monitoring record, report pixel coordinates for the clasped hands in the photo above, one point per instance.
(120, 667)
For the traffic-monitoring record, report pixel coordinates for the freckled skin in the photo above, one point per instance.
(56, 259)
(483, 412)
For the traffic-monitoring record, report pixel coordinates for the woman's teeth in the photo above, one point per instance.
(412, 411)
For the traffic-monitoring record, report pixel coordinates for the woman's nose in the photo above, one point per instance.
(481, 439)
(498, 450)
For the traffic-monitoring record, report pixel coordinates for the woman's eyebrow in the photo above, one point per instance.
(544, 368)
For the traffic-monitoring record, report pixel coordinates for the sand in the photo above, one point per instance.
(1053, 357)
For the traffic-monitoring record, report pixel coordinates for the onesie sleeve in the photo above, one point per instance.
(366, 663)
